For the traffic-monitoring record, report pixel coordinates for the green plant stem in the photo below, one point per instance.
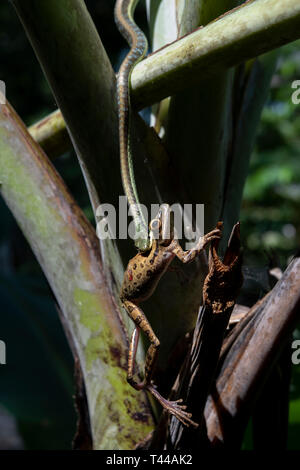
(51, 134)
(246, 32)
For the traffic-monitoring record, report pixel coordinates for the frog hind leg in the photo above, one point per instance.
(141, 322)
(173, 407)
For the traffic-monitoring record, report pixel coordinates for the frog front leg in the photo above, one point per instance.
(141, 322)
(190, 255)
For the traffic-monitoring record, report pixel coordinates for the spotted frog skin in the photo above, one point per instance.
(140, 280)
(144, 272)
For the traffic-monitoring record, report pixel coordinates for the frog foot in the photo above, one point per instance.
(215, 234)
(173, 407)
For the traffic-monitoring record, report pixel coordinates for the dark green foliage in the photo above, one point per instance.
(270, 213)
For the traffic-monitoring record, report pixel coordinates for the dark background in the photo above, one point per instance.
(36, 384)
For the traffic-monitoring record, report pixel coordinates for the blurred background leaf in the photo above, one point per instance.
(270, 212)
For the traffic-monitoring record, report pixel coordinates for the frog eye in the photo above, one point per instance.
(155, 224)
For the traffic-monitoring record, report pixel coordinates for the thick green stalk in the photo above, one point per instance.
(67, 248)
(253, 29)
(51, 134)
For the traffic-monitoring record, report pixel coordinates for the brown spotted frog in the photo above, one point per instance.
(140, 280)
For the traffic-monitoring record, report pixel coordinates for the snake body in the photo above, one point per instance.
(124, 11)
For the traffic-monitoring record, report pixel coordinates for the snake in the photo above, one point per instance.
(124, 19)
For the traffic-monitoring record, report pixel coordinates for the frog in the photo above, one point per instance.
(141, 278)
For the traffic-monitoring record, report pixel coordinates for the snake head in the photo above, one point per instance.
(143, 244)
